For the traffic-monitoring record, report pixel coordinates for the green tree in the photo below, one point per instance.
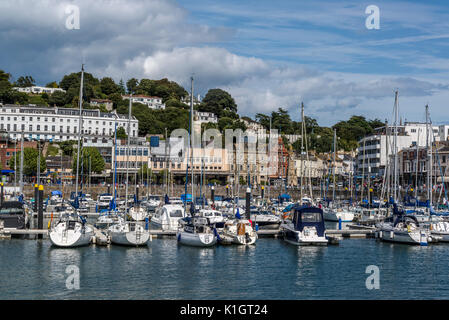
(52, 84)
(121, 85)
(108, 86)
(121, 133)
(132, 85)
(91, 154)
(30, 157)
(216, 101)
(25, 81)
(67, 147)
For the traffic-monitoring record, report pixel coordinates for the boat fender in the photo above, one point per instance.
(179, 237)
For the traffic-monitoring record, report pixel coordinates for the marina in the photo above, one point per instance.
(272, 269)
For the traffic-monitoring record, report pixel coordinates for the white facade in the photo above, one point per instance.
(151, 102)
(38, 90)
(372, 151)
(204, 117)
(60, 124)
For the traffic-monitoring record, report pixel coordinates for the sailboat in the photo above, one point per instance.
(125, 232)
(402, 227)
(195, 231)
(72, 230)
(335, 213)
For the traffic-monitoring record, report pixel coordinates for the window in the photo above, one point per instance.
(38, 128)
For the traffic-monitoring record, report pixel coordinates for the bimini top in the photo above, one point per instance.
(403, 218)
(306, 216)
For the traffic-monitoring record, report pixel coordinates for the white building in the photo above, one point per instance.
(372, 151)
(60, 124)
(186, 100)
(151, 102)
(38, 90)
(204, 117)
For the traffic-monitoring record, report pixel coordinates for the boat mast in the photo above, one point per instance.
(416, 169)
(127, 153)
(429, 157)
(21, 164)
(191, 136)
(335, 164)
(302, 150)
(114, 176)
(395, 143)
(80, 126)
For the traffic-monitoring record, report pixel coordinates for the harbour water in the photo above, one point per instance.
(272, 269)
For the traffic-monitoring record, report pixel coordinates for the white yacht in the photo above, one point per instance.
(440, 230)
(404, 229)
(129, 233)
(265, 219)
(214, 216)
(239, 231)
(71, 231)
(138, 213)
(337, 214)
(167, 217)
(196, 232)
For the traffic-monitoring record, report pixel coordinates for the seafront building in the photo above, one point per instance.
(60, 124)
(372, 151)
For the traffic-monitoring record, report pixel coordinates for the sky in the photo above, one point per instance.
(267, 54)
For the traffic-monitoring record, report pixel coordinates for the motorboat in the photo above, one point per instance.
(264, 219)
(197, 232)
(440, 230)
(338, 214)
(215, 217)
(13, 215)
(168, 216)
(306, 227)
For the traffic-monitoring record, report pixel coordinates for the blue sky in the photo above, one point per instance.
(267, 54)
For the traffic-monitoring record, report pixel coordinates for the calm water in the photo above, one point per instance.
(272, 269)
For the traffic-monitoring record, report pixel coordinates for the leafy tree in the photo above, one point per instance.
(132, 85)
(217, 101)
(4, 76)
(96, 161)
(121, 133)
(52, 84)
(67, 147)
(108, 86)
(24, 82)
(30, 157)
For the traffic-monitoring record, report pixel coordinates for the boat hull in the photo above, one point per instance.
(401, 236)
(130, 238)
(196, 240)
(71, 238)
